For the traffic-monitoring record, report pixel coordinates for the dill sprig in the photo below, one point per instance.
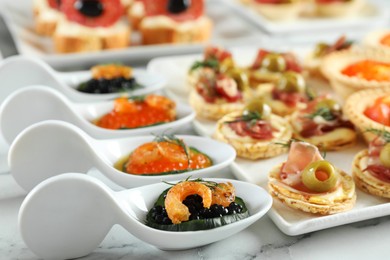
(210, 63)
(382, 133)
(248, 116)
(209, 184)
(324, 112)
(173, 139)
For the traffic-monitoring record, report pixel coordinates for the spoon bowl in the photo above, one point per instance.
(49, 104)
(67, 216)
(53, 147)
(33, 71)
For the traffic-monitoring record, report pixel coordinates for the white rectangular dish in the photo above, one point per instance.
(370, 15)
(18, 15)
(289, 221)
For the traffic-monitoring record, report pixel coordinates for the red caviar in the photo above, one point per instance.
(380, 110)
(368, 70)
(385, 40)
(160, 157)
(153, 109)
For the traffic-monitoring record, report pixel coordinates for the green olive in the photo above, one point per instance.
(226, 64)
(240, 77)
(292, 82)
(313, 176)
(384, 156)
(258, 105)
(274, 62)
(328, 103)
(320, 49)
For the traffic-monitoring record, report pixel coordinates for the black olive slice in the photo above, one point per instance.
(91, 8)
(178, 6)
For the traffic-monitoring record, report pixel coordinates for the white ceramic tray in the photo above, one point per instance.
(289, 221)
(371, 15)
(228, 29)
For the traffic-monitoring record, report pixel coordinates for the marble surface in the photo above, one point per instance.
(263, 240)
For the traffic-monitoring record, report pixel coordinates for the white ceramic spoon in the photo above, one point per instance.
(19, 71)
(53, 147)
(68, 216)
(33, 104)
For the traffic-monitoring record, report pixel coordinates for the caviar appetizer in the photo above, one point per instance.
(369, 109)
(279, 10)
(91, 26)
(323, 124)
(174, 21)
(309, 183)
(254, 132)
(289, 94)
(219, 87)
(194, 205)
(269, 65)
(166, 154)
(338, 8)
(110, 78)
(313, 60)
(371, 167)
(356, 69)
(139, 111)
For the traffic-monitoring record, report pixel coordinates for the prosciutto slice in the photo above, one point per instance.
(300, 155)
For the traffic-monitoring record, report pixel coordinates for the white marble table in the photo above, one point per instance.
(363, 240)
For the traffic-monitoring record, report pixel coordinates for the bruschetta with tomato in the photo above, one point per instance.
(174, 21)
(91, 26)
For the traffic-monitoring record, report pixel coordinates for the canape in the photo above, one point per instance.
(278, 10)
(338, 8)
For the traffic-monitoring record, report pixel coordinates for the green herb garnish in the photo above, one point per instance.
(173, 139)
(382, 133)
(324, 112)
(249, 116)
(210, 63)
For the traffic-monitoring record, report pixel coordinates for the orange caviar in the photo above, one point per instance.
(385, 40)
(380, 110)
(368, 70)
(160, 157)
(153, 109)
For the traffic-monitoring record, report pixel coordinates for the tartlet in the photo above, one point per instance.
(338, 8)
(328, 196)
(357, 104)
(336, 67)
(289, 94)
(371, 172)
(323, 124)
(312, 61)
(254, 134)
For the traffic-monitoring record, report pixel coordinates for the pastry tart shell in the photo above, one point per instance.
(279, 12)
(355, 106)
(335, 140)
(253, 149)
(340, 9)
(315, 203)
(373, 40)
(365, 181)
(213, 111)
(334, 63)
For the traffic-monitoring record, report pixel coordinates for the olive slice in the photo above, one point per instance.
(274, 62)
(292, 82)
(91, 8)
(240, 77)
(384, 155)
(178, 6)
(328, 103)
(257, 105)
(320, 176)
(320, 49)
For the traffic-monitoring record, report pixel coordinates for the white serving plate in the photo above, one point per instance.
(228, 28)
(289, 221)
(371, 15)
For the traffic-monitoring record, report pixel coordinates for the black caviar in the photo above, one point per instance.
(104, 86)
(194, 204)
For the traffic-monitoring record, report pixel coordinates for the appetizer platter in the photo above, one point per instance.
(292, 21)
(18, 17)
(358, 204)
